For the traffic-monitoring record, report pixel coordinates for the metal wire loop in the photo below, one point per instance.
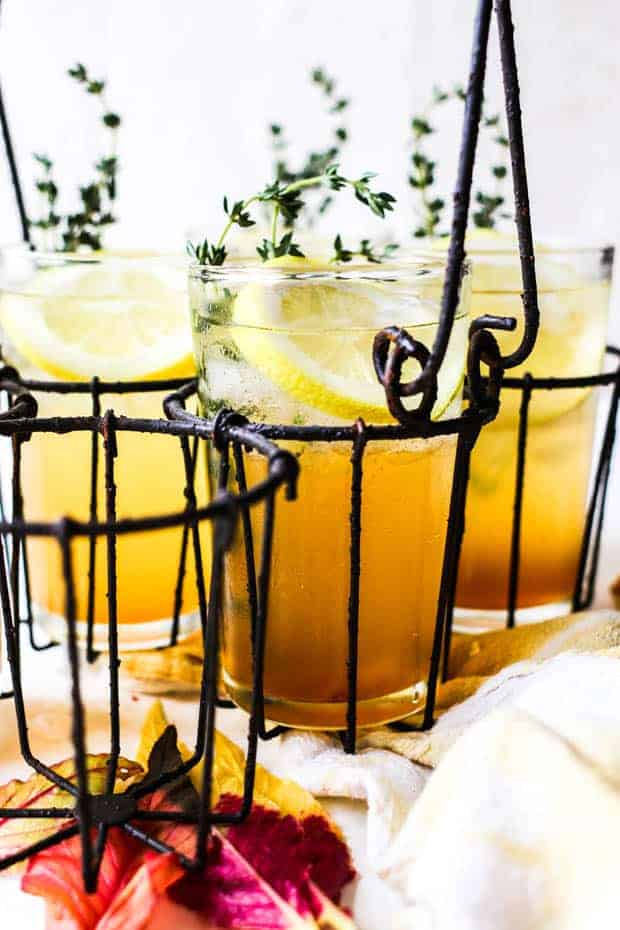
(290, 469)
(391, 349)
(224, 419)
(23, 407)
(484, 349)
(22, 404)
(7, 372)
(484, 392)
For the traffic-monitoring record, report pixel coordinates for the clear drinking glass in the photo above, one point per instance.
(69, 317)
(574, 287)
(292, 344)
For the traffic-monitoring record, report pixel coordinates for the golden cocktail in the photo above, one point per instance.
(68, 318)
(574, 300)
(290, 342)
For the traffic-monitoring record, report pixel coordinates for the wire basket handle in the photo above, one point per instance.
(426, 381)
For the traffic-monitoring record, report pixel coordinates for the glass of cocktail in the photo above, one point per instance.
(290, 342)
(574, 287)
(120, 317)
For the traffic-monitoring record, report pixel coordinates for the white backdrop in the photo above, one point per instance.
(197, 82)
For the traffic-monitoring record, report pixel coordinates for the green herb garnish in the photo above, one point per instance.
(422, 177)
(84, 228)
(284, 199)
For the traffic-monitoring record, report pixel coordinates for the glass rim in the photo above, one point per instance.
(550, 245)
(21, 265)
(245, 273)
(97, 257)
(554, 250)
(398, 268)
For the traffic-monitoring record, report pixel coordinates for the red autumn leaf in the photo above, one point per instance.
(169, 915)
(230, 894)
(274, 845)
(274, 872)
(328, 856)
(56, 875)
(305, 861)
(134, 906)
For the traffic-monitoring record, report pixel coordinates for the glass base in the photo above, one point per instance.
(332, 715)
(469, 620)
(131, 636)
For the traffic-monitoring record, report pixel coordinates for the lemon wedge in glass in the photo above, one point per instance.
(115, 319)
(573, 316)
(310, 333)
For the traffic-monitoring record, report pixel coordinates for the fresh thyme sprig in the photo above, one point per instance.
(84, 228)
(285, 201)
(422, 178)
(317, 161)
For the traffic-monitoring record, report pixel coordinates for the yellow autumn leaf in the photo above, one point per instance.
(39, 792)
(153, 727)
(228, 772)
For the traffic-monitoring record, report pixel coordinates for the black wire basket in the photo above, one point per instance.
(20, 422)
(231, 436)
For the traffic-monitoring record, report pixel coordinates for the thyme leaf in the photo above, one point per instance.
(365, 250)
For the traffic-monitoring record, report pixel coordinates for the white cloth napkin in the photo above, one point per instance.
(519, 827)
(388, 783)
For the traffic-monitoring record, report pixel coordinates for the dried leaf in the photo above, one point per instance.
(232, 894)
(455, 691)
(275, 871)
(155, 724)
(37, 791)
(175, 669)
(303, 859)
(488, 653)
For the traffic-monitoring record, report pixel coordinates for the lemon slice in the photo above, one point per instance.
(121, 323)
(573, 318)
(313, 339)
